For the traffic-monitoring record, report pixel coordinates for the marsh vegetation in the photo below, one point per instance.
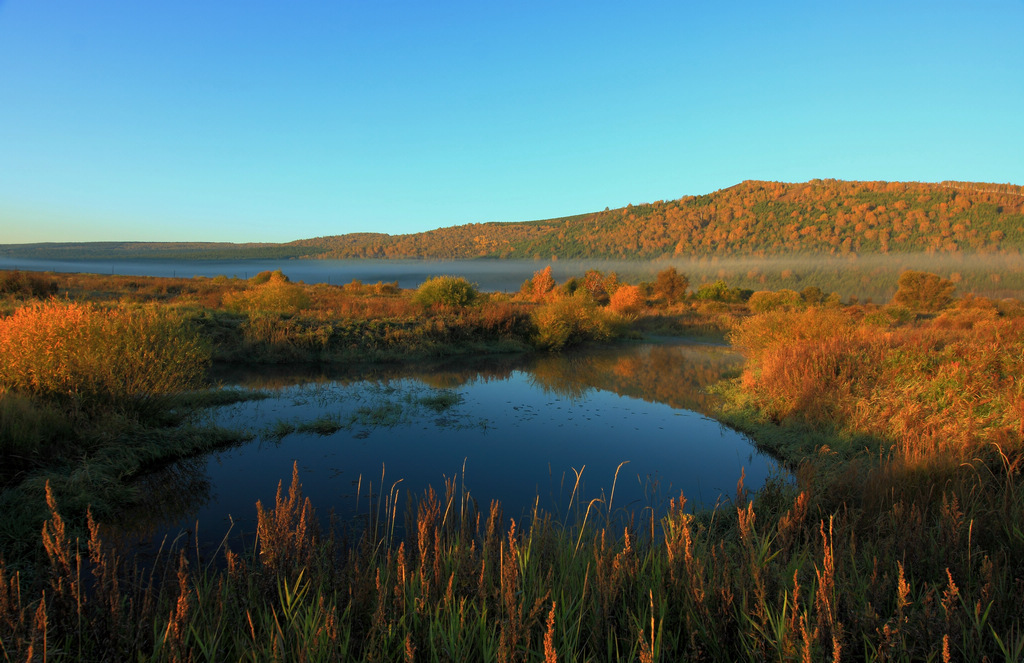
(898, 539)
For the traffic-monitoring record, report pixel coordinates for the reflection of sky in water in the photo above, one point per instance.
(518, 441)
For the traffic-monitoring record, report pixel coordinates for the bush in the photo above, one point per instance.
(923, 291)
(263, 277)
(600, 287)
(758, 332)
(766, 300)
(812, 294)
(539, 286)
(570, 321)
(81, 354)
(27, 285)
(275, 294)
(446, 291)
(671, 285)
(627, 300)
(720, 292)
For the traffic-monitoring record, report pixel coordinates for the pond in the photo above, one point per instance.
(632, 419)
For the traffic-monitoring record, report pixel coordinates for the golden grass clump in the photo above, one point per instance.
(85, 353)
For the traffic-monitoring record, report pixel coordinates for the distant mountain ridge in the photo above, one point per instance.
(753, 218)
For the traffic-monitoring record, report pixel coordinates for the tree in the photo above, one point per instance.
(626, 300)
(812, 294)
(923, 291)
(542, 283)
(671, 285)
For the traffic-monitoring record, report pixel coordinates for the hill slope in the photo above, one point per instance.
(820, 217)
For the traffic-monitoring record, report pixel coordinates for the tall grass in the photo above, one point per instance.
(940, 387)
(85, 355)
(769, 579)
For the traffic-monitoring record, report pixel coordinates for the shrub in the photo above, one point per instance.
(381, 288)
(83, 354)
(627, 300)
(268, 275)
(446, 291)
(570, 321)
(600, 287)
(923, 291)
(27, 285)
(767, 300)
(761, 331)
(720, 292)
(671, 285)
(812, 294)
(539, 287)
(275, 294)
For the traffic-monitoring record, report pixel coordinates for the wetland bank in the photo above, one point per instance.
(898, 537)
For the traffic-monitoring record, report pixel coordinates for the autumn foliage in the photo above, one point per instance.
(752, 218)
(627, 300)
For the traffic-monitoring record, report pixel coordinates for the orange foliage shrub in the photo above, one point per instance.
(627, 300)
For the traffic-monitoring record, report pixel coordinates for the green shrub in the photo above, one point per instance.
(446, 291)
(720, 292)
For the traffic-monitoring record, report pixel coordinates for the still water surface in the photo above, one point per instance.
(513, 429)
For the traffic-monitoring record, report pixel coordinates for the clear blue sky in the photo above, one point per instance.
(244, 120)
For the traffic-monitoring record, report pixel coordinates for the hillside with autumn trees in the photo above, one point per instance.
(753, 218)
(828, 217)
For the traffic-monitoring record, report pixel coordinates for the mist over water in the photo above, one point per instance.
(872, 276)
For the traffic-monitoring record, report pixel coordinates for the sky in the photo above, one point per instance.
(254, 121)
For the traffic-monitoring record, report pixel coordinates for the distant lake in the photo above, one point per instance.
(489, 275)
(513, 429)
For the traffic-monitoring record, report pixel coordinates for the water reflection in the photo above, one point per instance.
(519, 428)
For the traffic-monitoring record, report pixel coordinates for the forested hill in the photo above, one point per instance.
(753, 218)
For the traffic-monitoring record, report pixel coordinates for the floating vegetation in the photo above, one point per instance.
(358, 407)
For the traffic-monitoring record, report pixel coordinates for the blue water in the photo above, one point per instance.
(517, 435)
